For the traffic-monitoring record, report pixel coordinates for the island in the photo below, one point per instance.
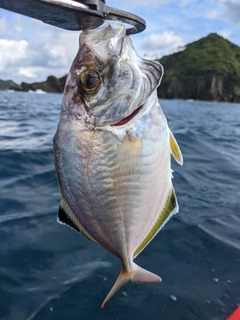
(206, 69)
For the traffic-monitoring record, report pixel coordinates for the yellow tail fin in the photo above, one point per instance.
(137, 274)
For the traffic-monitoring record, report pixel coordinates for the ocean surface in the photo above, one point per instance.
(48, 271)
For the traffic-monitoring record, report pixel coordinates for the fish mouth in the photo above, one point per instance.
(128, 118)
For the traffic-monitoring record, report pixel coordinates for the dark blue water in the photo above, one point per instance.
(48, 271)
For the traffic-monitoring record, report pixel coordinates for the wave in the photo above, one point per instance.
(227, 232)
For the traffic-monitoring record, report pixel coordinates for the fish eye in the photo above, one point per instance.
(90, 81)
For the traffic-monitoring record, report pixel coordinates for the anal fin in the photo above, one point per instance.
(67, 217)
(171, 207)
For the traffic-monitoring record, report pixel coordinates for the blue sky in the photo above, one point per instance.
(31, 50)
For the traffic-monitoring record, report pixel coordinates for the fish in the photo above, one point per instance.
(112, 150)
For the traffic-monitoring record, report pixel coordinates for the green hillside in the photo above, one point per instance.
(8, 84)
(208, 69)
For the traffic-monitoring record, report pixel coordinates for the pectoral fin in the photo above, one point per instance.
(66, 216)
(169, 209)
(127, 163)
(129, 155)
(175, 150)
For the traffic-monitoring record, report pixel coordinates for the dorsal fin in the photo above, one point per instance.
(67, 217)
(169, 209)
(175, 150)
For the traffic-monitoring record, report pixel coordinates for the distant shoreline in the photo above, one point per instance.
(207, 102)
(206, 70)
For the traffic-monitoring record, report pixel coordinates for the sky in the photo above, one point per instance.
(31, 50)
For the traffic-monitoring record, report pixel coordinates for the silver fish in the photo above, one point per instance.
(112, 150)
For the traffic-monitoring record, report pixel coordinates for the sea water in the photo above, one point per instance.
(48, 271)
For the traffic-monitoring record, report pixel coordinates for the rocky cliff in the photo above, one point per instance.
(207, 69)
(52, 84)
(7, 84)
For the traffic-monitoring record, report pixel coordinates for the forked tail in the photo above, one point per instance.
(137, 274)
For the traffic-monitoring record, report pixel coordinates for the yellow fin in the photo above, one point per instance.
(66, 216)
(170, 208)
(129, 155)
(175, 150)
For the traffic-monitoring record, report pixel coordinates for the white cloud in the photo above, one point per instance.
(12, 52)
(213, 14)
(27, 72)
(225, 33)
(159, 43)
(2, 25)
(184, 3)
(230, 10)
(234, 2)
(133, 3)
(31, 51)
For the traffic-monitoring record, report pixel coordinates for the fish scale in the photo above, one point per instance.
(102, 195)
(112, 150)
